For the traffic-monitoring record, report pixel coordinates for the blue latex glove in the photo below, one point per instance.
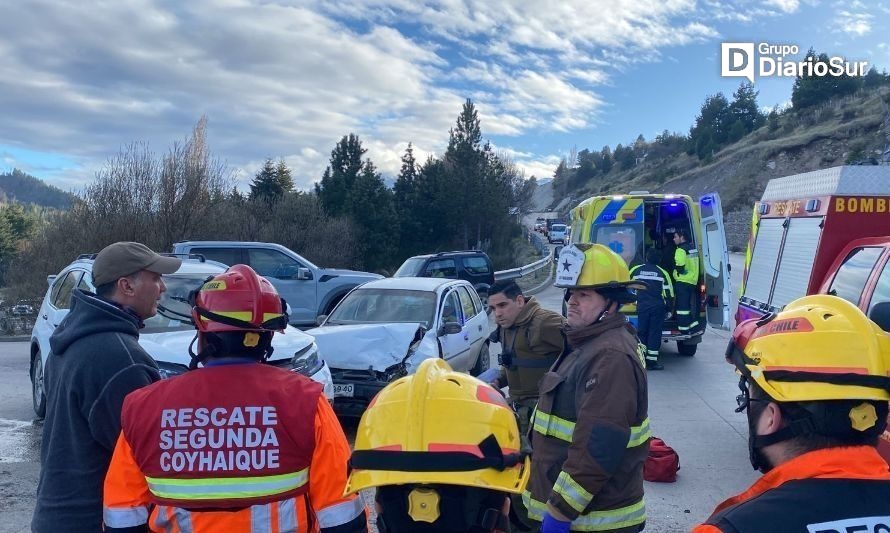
(552, 525)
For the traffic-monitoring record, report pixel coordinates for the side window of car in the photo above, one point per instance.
(272, 263)
(476, 265)
(62, 295)
(441, 268)
(451, 309)
(226, 256)
(882, 289)
(466, 303)
(853, 273)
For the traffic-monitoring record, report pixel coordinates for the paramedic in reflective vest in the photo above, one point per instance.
(235, 446)
(686, 269)
(442, 450)
(653, 305)
(590, 433)
(815, 386)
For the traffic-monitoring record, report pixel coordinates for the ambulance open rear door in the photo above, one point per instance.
(715, 260)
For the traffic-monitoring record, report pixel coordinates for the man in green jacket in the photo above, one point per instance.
(531, 340)
(686, 271)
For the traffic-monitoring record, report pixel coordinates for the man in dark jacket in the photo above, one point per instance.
(591, 429)
(652, 305)
(95, 362)
(531, 340)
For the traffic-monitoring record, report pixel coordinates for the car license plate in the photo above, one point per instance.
(344, 389)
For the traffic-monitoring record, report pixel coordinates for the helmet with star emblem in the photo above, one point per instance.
(593, 266)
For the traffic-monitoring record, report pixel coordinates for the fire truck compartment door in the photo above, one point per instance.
(715, 260)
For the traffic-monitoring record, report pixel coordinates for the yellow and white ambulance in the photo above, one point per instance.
(631, 224)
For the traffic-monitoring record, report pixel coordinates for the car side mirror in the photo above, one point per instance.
(450, 328)
(319, 320)
(880, 315)
(304, 273)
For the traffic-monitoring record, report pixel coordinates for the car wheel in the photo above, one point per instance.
(38, 393)
(686, 349)
(482, 362)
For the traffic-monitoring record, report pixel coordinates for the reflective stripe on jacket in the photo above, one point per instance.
(686, 261)
(833, 489)
(590, 432)
(244, 447)
(659, 288)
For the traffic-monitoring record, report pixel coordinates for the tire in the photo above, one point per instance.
(38, 392)
(482, 362)
(686, 349)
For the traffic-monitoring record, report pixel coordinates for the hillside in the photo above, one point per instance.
(852, 129)
(26, 189)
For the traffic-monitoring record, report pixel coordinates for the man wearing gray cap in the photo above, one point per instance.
(95, 362)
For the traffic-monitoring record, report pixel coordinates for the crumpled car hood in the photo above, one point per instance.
(364, 346)
(172, 346)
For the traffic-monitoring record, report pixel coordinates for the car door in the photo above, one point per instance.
(55, 307)
(455, 347)
(282, 270)
(474, 321)
(715, 259)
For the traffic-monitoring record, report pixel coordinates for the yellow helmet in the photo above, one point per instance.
(593, 266)
(817, 348)
(438, 426)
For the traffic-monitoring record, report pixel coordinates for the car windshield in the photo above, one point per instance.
(174, 312)
(558, 227)
(373, 306)
(410, 267)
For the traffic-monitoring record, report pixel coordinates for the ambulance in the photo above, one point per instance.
(630, 224)
(800, 226)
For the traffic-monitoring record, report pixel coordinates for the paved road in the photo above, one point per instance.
(691, 407)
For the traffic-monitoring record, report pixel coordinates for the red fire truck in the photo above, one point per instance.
(799, 227)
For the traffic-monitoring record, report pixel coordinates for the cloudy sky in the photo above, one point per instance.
(81, 78)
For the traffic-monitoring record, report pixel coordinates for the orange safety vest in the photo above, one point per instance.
(819, 486)
(233, 447)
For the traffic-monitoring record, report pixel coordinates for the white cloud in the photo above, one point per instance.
(788, 6)
(290, 79)
(855, 24)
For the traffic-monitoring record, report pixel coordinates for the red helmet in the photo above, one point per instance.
(238, 299)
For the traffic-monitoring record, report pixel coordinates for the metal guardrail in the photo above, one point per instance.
(515, 273)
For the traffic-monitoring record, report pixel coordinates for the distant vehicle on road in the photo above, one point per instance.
(557, 233)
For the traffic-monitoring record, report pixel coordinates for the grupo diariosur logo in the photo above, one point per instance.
(778, 60)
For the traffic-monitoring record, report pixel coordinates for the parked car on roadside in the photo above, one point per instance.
(470, 265)
(167, 335)
(383, 329)
(311, 290)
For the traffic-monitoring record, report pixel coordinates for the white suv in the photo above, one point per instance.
(167, 335)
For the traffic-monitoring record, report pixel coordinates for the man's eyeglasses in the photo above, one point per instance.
(744, 399)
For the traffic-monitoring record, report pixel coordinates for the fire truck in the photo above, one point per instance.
(800, 226)
(631, 224)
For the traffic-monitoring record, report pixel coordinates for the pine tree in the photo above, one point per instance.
(339, 177)
(283, 177)
(265, 185)
(375, 216)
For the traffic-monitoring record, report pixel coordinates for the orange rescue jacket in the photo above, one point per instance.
(232, 447)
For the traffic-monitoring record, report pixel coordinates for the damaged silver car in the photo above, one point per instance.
(383, 329)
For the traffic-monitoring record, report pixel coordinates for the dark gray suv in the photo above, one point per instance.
(471, 265)
(309, 289)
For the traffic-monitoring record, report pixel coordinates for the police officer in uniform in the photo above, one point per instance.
(652, 305)
(815, 387)
(686, 269)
